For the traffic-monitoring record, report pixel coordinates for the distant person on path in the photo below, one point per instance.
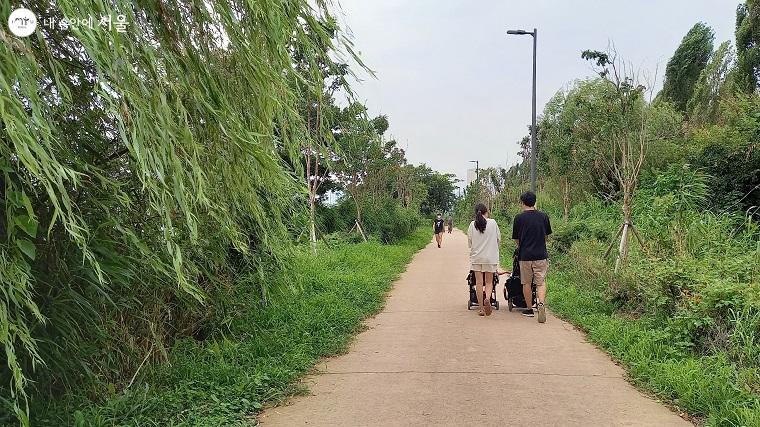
(450, 223)
(484, 237)
(530, 230)
(438, 229)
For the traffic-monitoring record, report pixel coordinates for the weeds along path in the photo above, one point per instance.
(427, 360)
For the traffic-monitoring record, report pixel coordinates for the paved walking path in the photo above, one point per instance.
(426, 360)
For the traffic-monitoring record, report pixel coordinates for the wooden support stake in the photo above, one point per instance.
(614, 239)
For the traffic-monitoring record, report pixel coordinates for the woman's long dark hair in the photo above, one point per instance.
(480, 220)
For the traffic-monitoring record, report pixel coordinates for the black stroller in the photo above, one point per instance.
(473, 301)
(513, 290)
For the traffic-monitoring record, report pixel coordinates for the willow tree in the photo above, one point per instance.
(142, 171)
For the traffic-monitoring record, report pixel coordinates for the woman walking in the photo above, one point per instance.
(483, 237)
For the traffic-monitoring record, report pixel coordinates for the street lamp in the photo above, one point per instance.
(477, 171)
(533, 33)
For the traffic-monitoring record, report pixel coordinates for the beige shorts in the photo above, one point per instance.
(488, 268)
(534, 271)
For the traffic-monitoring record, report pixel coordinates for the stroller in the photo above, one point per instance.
(513, 289)
(473, 301)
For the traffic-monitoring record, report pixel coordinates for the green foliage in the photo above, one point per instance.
(226, 379)
(141, 172)
(371, 170)
(748, 45)
(704, 106)
(683, 317)
(440, 187)
(385, 219)
(708, 387)
(686, 65)
(729, 154)
(680, 187)
(389, 221)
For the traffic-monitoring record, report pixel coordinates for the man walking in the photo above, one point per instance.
(438, 229)
(530, 230)
(450, 223)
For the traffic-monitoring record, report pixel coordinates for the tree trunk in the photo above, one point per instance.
(313, 224)
(623, 249)
(358, 215)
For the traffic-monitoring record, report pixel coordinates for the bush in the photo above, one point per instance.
(389, 221)
(330, 220)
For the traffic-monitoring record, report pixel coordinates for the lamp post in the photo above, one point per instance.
(533, 33)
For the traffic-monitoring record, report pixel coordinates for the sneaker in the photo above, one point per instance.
(528, 312)
(541, 313)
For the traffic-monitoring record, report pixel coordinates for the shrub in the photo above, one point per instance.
(389, 221)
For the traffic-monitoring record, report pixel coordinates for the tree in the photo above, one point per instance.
(688, 61)
(559, 143)
(313, 63)
(358, 149)
(438, 190)
(626, 129)
(748, 45)
(710, 88)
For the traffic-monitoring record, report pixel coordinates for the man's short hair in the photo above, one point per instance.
(528, 198)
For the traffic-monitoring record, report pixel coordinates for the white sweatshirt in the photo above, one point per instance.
(484, 247)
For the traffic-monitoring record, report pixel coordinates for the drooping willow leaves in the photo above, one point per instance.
(142, 171)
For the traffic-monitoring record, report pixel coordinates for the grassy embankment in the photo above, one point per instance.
(683, 317)
(226, 379)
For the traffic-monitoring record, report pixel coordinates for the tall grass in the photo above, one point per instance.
(227, 378)
(684, 315)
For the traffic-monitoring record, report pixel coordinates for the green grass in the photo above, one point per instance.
(709, 387)
(227, 379)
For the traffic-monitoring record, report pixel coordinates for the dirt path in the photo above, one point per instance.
(426, 360)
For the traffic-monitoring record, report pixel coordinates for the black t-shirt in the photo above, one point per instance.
(531, 228)
(438, 223)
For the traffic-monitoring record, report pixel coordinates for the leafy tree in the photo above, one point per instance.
(559, 145)
(357, 143)
(688, 61)
(748, 45)
(710, 88)
(438, 189)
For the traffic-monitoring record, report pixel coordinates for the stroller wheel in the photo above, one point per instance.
(469, 305)
(496, 304)
(509, 304)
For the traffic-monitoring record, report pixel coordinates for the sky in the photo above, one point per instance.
(456, 88)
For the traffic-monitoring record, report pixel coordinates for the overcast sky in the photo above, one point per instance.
(455, 87)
